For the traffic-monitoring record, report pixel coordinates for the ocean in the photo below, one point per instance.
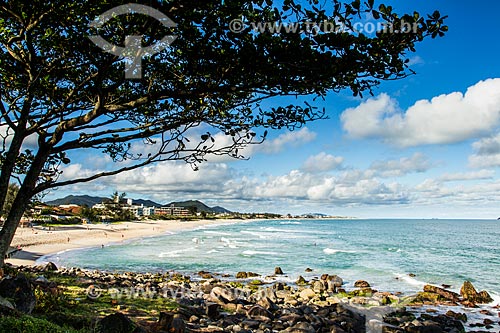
(396, 255)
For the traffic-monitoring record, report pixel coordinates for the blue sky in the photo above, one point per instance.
(425, 146)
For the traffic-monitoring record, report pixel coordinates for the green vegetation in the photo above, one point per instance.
(28, 324)
(67, 308)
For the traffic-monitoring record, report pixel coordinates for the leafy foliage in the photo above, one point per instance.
(27, 324)
(61, 95)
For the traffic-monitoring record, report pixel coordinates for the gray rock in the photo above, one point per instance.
(212, 311)
(222, 296)
(259, 313)
(6, 304)
(49, 267)
(20, 291)
(361, 284)
(116, 323)
(319, 286)
(267, 304)
(301, 280)
(301, 327)
(278, 271)
(307, 294)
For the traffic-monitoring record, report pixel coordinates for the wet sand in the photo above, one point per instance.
(37, 242)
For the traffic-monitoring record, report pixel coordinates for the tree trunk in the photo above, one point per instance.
(21, 203)
(10, 225)
(8, 166)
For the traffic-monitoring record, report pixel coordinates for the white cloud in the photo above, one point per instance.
(488, 146)
(487, 153)
(444, 119)
(293, 139)
(7, 133)
(484, 161)
(405, 165)
(322, 162)
(462, 176)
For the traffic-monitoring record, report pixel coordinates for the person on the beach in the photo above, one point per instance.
(68, 239)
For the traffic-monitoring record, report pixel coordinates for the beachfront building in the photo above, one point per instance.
(172, 211)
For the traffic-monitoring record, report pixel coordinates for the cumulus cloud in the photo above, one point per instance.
(462, 176)
(486, 153)
(322, 162)
(288, 139)
(418, 163)
(444, 119)
(326, 188)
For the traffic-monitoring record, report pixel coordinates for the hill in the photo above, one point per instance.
(200, 206)
(80, 200)
(87, 200)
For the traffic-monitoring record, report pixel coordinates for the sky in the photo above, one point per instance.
(427, 146)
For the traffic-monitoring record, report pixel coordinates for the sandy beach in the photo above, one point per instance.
(39, 241)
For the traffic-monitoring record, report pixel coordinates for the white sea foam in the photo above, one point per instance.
(174, 254)
(254, 233)
(252, 253)
(333, 251)
(496, 299)
(217, 233)
(411, 280)
(288, 231)
(213, 251)
(290, 222)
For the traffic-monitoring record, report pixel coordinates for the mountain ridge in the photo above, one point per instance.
(87, 200)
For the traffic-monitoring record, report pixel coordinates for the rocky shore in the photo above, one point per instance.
(245, 303)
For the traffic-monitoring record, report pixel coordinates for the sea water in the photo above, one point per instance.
(391, 254)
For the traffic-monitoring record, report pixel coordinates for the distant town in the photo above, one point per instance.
(88, 209)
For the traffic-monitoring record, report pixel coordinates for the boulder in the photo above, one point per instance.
(307, 293)
(241, 275)
(171, 322)
(222, 296)
(49, 267)
(308, 270)
(470, 294)
(301, 327)
(458, 316)
(267, 304)
(20, 291)
(301, 280)
(446, 294)
(213, 311)
(116, 323)
(334, 279)
(205, 275)
(319, 286)
(258, 313)
(5, 303)
(361, 284)
(278, 270)
(178, 325)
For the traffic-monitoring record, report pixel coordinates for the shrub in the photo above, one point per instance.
(27, 324)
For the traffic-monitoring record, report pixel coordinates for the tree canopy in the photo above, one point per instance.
(62, 95)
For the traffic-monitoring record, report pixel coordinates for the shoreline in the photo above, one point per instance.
(38, 242)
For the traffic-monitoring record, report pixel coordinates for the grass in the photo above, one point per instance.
(68, 305)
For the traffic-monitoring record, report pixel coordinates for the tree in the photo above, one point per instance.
(63, 95)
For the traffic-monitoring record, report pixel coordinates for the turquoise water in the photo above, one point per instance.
(382, 252)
